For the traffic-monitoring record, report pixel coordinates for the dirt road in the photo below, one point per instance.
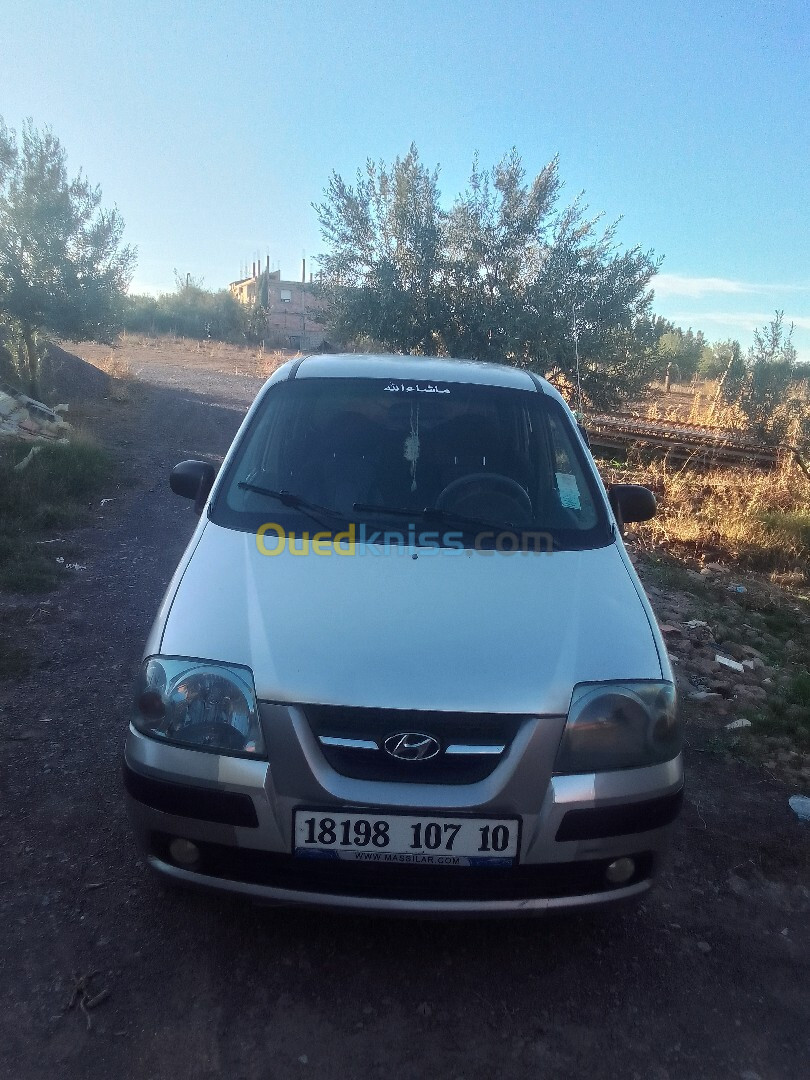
(708, 978)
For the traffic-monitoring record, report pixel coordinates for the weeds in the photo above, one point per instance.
(756, 519)
(788, 714)
(267, 362)
(50, 493)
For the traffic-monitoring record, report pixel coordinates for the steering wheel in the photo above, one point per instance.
(487, 495)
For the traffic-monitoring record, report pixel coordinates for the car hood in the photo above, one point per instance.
(434, 629)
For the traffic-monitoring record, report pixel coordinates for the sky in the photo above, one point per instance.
(214, 127)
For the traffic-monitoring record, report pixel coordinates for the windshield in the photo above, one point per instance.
(465, 459)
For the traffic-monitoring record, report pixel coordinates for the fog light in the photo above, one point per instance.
(619, 871)
(184, 852)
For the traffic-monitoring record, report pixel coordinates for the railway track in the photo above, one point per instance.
(678, 439)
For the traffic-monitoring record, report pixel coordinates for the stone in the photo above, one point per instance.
(752, 693)
(750, 651)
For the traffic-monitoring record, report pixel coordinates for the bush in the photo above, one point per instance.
(191, 312)
(770, 388)
(750, 518)
(51, 492)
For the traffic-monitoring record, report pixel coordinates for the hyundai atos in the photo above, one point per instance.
(405, 663)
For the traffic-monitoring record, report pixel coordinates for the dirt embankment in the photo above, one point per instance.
(706, 979)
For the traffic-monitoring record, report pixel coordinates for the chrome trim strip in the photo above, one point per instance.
(471, 749)
(474, 748)
(348, 744)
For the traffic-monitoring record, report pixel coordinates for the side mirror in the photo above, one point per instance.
(631, 502)
(193, 480)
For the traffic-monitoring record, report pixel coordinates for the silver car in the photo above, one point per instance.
(405, 663)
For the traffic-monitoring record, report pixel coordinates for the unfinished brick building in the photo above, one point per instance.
(294, 314)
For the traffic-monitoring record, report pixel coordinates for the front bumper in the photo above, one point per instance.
(239, 814)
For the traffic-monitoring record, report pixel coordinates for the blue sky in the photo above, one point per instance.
(214, 127)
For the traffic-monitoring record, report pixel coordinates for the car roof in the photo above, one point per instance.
(420, 368)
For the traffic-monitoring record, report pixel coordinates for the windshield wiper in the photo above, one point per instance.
(288, 498)
(441, 517)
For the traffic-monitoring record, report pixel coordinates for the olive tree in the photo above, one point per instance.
(63, 267)
(771, 388)
(501, 275)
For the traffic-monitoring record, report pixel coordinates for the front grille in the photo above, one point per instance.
(335, 878)
(476, 743)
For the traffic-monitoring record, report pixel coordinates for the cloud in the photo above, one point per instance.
(744, 320)
(685, 285)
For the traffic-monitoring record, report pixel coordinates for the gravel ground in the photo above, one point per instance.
(707, 978)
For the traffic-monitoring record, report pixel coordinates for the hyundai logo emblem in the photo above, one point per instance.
(412, 746)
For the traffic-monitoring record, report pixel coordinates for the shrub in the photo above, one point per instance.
(191, 312)
(51, 492)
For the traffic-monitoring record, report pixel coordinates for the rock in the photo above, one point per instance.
(752, 693)
(721, 686)
(702, 666)
(750, 651)
(704, 947)
(733, 649)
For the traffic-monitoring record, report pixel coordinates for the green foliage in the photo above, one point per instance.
(501, 276)
(386, 256)
(791, 528)
(771, 388)
(63, 269)
(718, 358)
(51, 492)
(788, 713)
(682, 353)
(190, 311)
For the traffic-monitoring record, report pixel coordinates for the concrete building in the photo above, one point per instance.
(294, 314)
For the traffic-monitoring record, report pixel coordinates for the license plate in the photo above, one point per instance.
(406, 839)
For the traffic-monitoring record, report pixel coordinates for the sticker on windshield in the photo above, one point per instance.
(416, 388)
(569, 492)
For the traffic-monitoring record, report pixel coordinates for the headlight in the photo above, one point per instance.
(200, 704)
(619, 726)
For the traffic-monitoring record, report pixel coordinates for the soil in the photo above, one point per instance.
(707, 978)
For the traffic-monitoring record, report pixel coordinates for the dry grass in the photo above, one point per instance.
(118, 367)
(135, 352)
(756, 519)
(267, 362)
(697, 404)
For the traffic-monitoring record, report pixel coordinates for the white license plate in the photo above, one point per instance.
(406, 839)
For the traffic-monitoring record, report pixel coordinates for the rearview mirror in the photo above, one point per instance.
(631, 502)
(193, 480)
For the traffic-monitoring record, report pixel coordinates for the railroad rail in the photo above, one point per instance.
(678, 439)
